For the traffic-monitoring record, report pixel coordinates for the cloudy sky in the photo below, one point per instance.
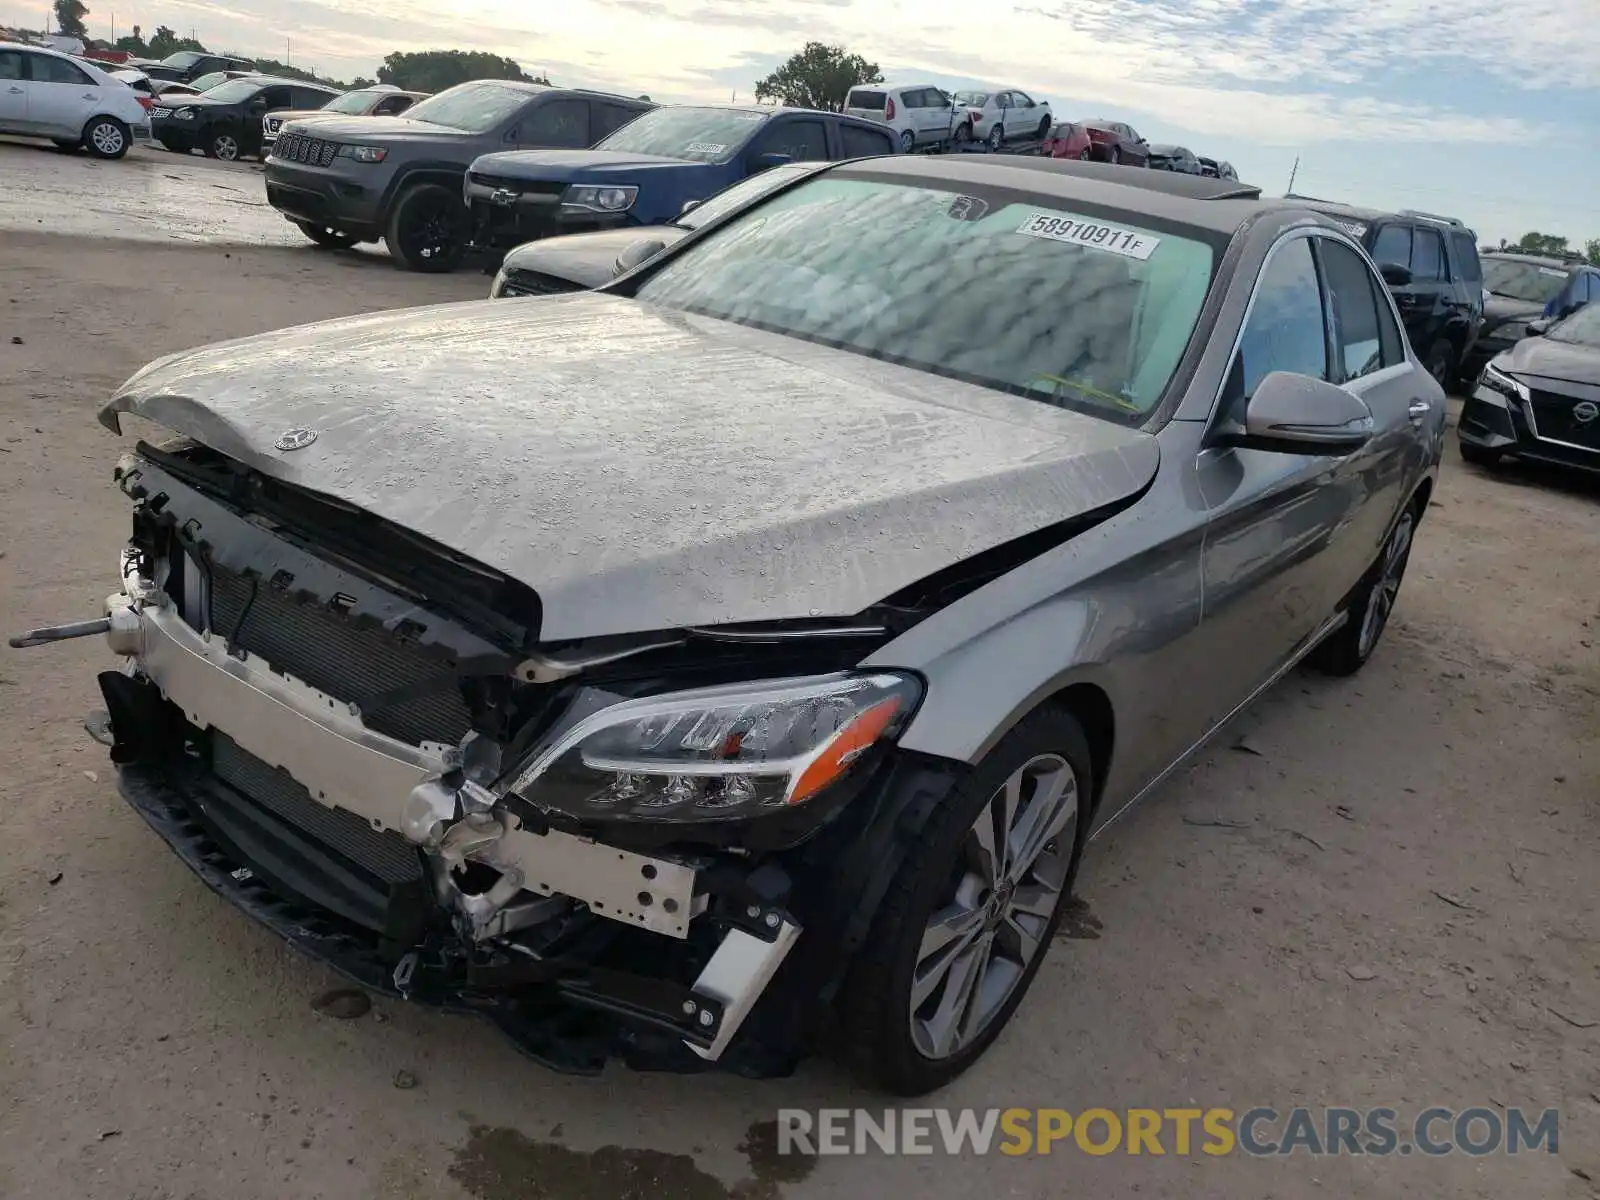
(1486, 109)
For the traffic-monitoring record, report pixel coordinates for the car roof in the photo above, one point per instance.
(279, 79)
(1216, 205)
(1536, 259)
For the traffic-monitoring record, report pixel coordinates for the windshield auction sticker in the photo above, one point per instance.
(1097, 235)
(706, 147)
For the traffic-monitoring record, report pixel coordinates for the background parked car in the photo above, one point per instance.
(1117, 142)
(45, 94)
(1541, 398)
(1068, 140)
(1215, 169)
(919, 114)
(575, 262)
(1431, 266)
(344, 180)
(186, 66)
(1007, 115)
(225, 121)
(1520, 288)
(1174, 158)
(645, 172)
(380, 101)
(211, 79)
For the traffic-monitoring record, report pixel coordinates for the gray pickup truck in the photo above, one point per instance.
(345, 180)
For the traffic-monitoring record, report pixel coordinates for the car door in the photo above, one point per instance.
(14, 88)
(1430, 282)
(1284, 531)
(267, 100)
(61, 96)
(1392, 244)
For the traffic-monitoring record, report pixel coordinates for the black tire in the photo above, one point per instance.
(427, 229)
(1085, 154)
(333, 239)
(1044, 129)
(1348, 648)
(963, 133)
(1441, 363)
(908, 141)
(1478, 456)
(1114, 155)
(106, 137)
(997, 136)
(168, 146)
(875, 1015)
(222, 144)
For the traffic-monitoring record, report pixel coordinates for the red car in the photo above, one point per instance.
(1116, 142)
(1068, 140)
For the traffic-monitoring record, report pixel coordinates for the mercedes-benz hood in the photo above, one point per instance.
(641, 468)
(588, 166)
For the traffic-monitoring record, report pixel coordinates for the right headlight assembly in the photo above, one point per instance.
(729, 752)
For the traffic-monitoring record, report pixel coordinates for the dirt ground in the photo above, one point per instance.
(1379, 891)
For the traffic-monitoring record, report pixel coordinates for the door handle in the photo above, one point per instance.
(1418, 411)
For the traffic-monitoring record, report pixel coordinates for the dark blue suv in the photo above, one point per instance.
(645, 172)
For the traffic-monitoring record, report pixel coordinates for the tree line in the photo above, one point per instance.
(1553, 243)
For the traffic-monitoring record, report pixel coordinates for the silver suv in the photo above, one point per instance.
(345, 180)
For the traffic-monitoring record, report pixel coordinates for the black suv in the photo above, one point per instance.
(1431, 265)
(1523, 287)
(225, 121)
(188, 65)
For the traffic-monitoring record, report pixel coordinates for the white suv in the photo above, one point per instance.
(919, 113)
(50, 95)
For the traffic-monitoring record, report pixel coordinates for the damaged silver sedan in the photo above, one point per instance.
(734, 662)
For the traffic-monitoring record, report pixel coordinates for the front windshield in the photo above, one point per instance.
(183, 59)
(711, 135)
(976, 99)
(1070, 309)
(1522, 280)
(233, 91)
(352, 102)
(1582, 328)
(742, 193)
(472, 107)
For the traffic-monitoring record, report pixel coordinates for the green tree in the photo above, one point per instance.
(820, 76)
(1541, 243)
(435, 70)
(133, 43)
(165, 41)
(271, 66)
(69, 18)
(1591, 251)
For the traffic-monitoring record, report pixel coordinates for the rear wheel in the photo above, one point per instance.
(970, 913)
(1084, 155)
(322, 235)
(963, 133)
(997, 136)
(908, 141)
(105, 137)
(1346, 651)
(427, 229)
(1044, 128)
(1114, 154)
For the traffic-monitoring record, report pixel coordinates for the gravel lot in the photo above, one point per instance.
(1384, 895)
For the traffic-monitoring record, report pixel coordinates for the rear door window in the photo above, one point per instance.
(803, 140)
(275, 97)
(58, 70)
(1392, 245)
(11, 65)
(310, 98)
(863, 143)
(1466, 248)
(560, 123)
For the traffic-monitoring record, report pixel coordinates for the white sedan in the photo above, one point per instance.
(46, 94)
(1005, 116)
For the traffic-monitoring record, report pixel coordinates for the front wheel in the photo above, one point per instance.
(322, 235)
(969, 915)
(1347, 650)
(223, 146)
(997, 137)
(427, 230)
(105, 137)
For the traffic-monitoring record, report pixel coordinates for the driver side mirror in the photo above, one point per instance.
(689, 206)
(1540, 327)
(638, 253)
(1295, 414)
(1395, 274)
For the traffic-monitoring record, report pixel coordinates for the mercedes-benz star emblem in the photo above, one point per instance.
(296, 439)
(1585, 411)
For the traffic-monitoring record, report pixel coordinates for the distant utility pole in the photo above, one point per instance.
(1293, 171)
(287, 58)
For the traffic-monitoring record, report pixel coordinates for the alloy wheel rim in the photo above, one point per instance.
(227, 149)
(991, 924)
(1381, 602)
(107, 138)
(908, 140)
(432, 233)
